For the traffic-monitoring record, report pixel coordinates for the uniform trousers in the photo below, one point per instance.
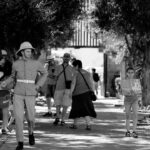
(22, 104)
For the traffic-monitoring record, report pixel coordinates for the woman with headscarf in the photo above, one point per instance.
(82, 105)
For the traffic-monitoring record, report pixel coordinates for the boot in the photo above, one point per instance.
(31, 139)
(19, 146)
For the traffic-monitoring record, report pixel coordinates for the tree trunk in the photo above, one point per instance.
(146, 80)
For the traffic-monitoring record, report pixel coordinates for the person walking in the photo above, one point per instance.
(130, 102)
(50, 84)
(24, 72)
(82, 105)
(5, 72)
(96, 79)
(64, 77)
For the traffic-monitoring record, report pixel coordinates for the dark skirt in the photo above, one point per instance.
(82, 106)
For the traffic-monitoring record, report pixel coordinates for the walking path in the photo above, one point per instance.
(107, 132)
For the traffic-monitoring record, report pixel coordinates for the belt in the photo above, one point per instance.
(25, 81)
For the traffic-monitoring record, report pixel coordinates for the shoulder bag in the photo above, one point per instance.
(92, 94)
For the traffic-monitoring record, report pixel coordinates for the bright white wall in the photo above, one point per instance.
(90, 57)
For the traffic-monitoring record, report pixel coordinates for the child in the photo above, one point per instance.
(130, 102)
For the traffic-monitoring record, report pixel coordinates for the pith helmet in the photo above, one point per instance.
(23, 46)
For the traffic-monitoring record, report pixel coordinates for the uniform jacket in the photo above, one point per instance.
(27, 70)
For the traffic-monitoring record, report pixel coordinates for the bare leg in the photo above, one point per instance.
(128, 114)
(49, 104)
(88, 120)
(58, 107)
(64, 111)
(135, 114)
(5, 118)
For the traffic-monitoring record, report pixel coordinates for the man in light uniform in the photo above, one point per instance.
(24, 72)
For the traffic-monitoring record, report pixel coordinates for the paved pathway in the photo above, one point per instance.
(107, 132)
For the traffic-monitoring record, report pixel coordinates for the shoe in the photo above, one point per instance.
(88, 127)
(4, 131)
(73, 126)
(62, 123)
(19, 146)
(31, 139)
(134, 134)
(55, 114)
(127, 134)
(48, 114)
(56, 121)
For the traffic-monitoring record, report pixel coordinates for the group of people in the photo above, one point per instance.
(69, 85)
(63, 84)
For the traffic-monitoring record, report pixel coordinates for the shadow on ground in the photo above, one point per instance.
(107, 133)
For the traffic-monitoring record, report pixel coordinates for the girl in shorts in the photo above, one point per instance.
(131, 103)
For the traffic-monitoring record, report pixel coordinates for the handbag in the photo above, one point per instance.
(93, 97)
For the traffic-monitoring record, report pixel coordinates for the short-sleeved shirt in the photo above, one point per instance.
(51, 75)
(81, 86)
(60, 83)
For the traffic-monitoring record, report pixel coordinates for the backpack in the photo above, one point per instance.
(96, 77)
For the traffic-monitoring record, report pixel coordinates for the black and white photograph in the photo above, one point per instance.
(74, 74)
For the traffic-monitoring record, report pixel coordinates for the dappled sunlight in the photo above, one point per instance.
(80, 141)
(108, 133)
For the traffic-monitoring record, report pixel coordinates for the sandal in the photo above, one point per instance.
(56, 121)
(88, 127)
(62, 123)
(73, 126)
(127, 134)
(134, 134)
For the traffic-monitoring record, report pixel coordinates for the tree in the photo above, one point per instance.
(21, 21)
(60, 16)
(131, 19)
(37, 21)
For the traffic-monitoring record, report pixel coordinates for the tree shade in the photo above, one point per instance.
(37, 21)
(131, 19)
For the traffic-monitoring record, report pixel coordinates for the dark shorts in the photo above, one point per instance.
(4, 98)
(50, 90)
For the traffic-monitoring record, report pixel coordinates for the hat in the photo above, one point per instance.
(3, 52)
(23, 46)
(67, 55)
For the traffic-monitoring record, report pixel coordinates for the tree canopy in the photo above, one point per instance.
(124, 16)
(37, 21)
(131, 19)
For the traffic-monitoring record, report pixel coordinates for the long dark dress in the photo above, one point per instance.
(82, 105)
